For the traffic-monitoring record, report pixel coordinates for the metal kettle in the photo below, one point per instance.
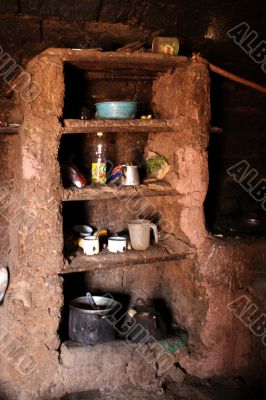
(130, 175)
(149, 323)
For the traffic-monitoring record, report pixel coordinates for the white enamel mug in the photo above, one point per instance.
(117, 244)
(90, 245)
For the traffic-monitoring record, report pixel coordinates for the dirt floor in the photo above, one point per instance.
(230, 389)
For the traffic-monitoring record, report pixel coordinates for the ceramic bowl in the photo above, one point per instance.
(83, 230)
(116, 109)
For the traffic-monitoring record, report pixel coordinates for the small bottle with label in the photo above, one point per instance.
(98, 167)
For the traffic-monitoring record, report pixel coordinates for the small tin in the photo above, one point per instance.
(165, 45)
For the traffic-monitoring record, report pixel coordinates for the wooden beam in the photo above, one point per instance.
(106, 192)
(9, 130)
(134, 125)
(105, 260)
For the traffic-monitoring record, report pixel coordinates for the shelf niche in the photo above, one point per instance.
(112, 214)
(84, 88)
(178, 87)
(122, 148)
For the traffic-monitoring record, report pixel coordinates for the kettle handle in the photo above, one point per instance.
(155, 232)
(140, 302)
(124, 171)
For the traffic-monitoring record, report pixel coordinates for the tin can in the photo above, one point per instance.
(165, 45)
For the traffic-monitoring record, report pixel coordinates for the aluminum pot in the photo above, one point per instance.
(89, 324)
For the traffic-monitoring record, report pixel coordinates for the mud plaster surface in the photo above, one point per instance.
(196, 290)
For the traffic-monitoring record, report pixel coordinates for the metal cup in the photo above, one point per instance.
(130, 176)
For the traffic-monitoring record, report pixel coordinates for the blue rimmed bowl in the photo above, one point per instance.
(116, 109)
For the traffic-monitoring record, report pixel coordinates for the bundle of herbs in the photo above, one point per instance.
(156, 166)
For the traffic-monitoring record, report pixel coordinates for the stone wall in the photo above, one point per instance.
(28, 27)
(31, 312)
(197, 290)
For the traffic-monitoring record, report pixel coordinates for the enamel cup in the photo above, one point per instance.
(90, 245)
(117, 244)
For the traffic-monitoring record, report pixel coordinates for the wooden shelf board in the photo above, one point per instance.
(173, 338)
(105, 192)
(90, 59)
(71, 126)
(106, 260)
(9, 130)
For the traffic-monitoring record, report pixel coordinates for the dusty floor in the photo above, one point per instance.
(233, 389)
(129, 393)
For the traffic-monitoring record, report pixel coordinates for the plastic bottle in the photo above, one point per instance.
(98, 167)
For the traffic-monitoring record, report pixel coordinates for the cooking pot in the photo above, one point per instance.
(90, 319)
